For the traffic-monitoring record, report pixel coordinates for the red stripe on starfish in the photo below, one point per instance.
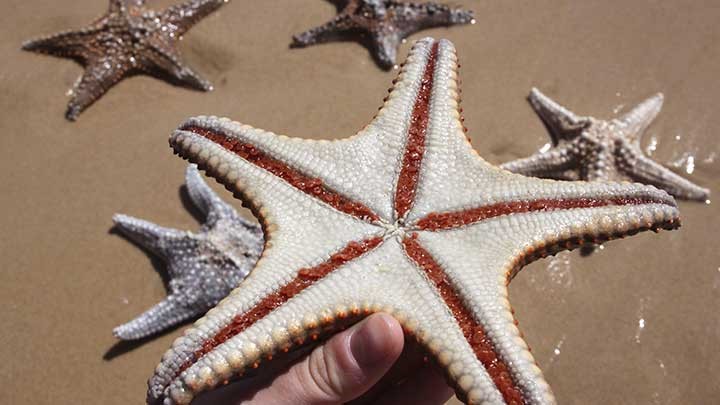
(304, 279)
(472, 330)
(415, 147)
(447, 220)
(307, 184)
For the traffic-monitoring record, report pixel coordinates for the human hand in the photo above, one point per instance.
(363, 364)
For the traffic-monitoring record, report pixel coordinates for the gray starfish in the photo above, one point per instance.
(203, 267)
(129, 39)
(387, 22)
(586, 148)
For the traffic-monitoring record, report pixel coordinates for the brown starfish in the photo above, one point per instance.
(387, 22)
(129, 39)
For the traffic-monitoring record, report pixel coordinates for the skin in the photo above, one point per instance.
(369, 363)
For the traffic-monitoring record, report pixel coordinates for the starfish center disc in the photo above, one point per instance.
(396, 229)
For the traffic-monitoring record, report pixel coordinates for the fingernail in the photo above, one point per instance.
(367, 343)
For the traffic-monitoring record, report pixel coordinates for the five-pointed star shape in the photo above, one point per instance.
(129, 39)
(386, 22)
(585, 148)
(203, 267)
(403, 217)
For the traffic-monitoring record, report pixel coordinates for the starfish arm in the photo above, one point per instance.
(99, 76)
(543, 164)
(330, 30)
(474, 262)
(450, 166)
(560, 122)
(300, 232)
(636, 121)
(184, 16)
(163, 61)
(157, 239)
(639, 167)
(359, 165)
(321, 308)
(205, 199)
(280, 275)
(480, 259)
(68, 44)
(165, 314)
(386, 46)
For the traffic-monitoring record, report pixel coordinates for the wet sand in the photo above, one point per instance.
(637, 322)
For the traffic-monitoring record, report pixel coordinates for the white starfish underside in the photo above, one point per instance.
(526, 218)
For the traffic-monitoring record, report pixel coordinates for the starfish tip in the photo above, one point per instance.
(460, 16)
(119, 333)
(72, 113)
(27, 45)
(118, 218)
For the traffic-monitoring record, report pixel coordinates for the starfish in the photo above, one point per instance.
(586, 148)
(404, 218)
(387, 22)
(203, 267)
(129, 39)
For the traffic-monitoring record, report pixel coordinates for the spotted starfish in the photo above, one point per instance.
(203, 267)
(585, 148)
(386, 22)
(129, 39)
(404, 218)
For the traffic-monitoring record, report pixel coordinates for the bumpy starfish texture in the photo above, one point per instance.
(404, 218)
(585, 148)
(386, 22)
(129, 39)
(203, 267)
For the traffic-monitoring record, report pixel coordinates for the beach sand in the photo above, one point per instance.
(637, 322)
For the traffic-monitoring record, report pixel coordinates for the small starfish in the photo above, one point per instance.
(585, 148)
(404, 218)
(129, 39)
(387, 22)
(203, 267)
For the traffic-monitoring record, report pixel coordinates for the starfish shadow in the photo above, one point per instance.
(588, 250)
(189, 205)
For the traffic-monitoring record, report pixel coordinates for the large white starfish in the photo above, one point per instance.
(403, 217)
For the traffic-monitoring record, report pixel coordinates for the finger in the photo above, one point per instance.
(426, 387)
(411, 360)
(342, 369)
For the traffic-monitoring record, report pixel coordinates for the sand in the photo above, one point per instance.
(634, 323)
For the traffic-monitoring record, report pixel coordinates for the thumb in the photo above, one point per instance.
(343, 368)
